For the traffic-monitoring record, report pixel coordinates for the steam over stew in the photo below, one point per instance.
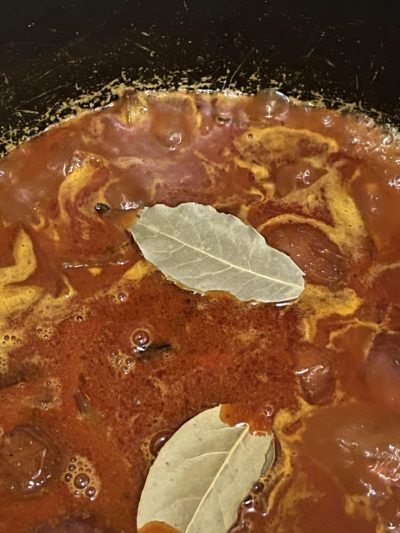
(103, 358)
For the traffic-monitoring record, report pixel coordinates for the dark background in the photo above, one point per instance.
(51, 50)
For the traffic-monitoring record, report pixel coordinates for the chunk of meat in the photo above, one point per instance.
(382, 371)
(8, 237)
(389, 282)
(10, 379)
(29, 459)
(172, 121)
(318, 257)
(26, 371)
(74, 525)
(394, 318)
(316, 376)
(359, 444)
(377, 194)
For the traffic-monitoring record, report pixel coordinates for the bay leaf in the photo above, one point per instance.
(205, 250)
(202, 474)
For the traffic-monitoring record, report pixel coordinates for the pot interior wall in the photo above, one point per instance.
(52, 51)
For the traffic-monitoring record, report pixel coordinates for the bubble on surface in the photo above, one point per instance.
(127, 205)
(276, 104)
(224, 118)
(82, 314)
(168, 355)
(117, 296)
(4, 362)
(173, 140)
(54, 384)
(122, 297)
(225, 113)
(388, 139)
(328, 121)
(45, 332)
(49, 395)
(7, 342)
(141, 339)
(121, 362)
(394, 182)
(90, 492)
(258, 487)
(269, 411)
(290, 177)
(268, 104)
(145, 447)
(81, 478)
(81, 481)
(158, 440)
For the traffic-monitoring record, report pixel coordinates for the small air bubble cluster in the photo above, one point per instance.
(53, 385)
(10, 340)
(44, 332)
(149, 457)
(388, 139)
(328, 121)
(4, 362)
(394, 182)
(118, 297)
(81, 478)
(121, 362)
(168, 355)
(82, 314)
(126, 205)
(7, 341)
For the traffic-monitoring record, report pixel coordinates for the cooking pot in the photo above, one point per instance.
(54, 51)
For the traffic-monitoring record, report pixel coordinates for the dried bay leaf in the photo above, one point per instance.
(203, 473)
(205, 250)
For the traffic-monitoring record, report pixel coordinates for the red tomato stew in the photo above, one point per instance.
(102, 358)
